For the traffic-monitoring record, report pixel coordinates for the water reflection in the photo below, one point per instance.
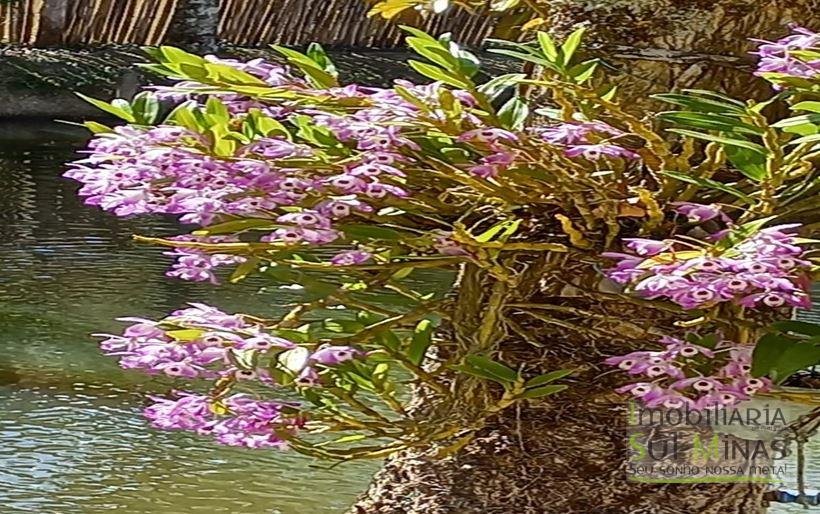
(71, 436)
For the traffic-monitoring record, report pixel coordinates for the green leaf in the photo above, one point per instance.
(571, 44)
(513, 114)
(342, 326)
(707, 341)
(808, 105)
(145, 108)
(183, 116)
(719, 96)
(583, 71)
(700, 104)
(234, 226)
(363, 232)
(525, 56)
(175, 55)
(320, 57)
(185, 335)
(548, 377)
(314, 71)
(119, 112)
(500, 372)
(389, 340)
(500, 231)
(751, 164)
(216, 110)
(497, 85)
(418, 33)
(780, 356)
(244, 269)
(420, 342)
(435, 52)
(709, 121)
(97, 128)
(726, 141)
(710, 184)
(438, 74)
(811, 138)
(547, 46)
(539, 392)
(798, 327)
(342, 440)
(803, 119)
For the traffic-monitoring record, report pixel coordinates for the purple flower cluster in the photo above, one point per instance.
(575, 137)
(195, 342)
(236, 420)
(169, 170)
(780, 56)
(670, 379)
(764, 269)
(203, 342)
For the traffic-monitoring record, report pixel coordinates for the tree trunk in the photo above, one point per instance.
(567, 454)
(195, 25)
(661, 45)
(53, 16)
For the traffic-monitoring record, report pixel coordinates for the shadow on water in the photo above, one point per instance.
(72, 439)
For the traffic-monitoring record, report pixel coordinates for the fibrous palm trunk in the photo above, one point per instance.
(567, 454)
(195, 25)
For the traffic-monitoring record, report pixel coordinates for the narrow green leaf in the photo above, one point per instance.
(571, 44)
(438, 74)
(709, 121)
(420, 342)
(749, 163)
(500, 231)
(742, 143)
(808, 105)
(497, 85)
(539, 392)
(498, 370)
(513, 114)
(700, 104)
(548, 377)
(547, 46)
(360, 231)
(109, 108)
(244, 269)
(710, 184)
(185, 335)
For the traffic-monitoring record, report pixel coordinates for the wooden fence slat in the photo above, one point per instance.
(241, 22)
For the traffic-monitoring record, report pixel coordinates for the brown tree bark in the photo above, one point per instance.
(567, 454)
(662, 45)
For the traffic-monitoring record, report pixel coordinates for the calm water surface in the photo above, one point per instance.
(72, 439)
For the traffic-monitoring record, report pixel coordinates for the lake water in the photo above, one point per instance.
(72, 439)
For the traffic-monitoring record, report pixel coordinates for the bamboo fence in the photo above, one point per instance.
(242, 22)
